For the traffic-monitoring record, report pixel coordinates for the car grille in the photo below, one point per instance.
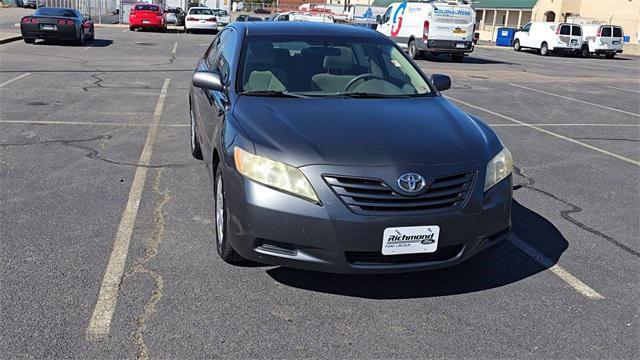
(376, 258)
(374, 196)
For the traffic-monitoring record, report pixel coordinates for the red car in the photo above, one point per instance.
(147, 16)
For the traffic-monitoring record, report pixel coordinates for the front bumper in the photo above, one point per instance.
(268, 226)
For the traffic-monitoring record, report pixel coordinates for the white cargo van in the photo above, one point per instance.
(547, 37)
(308, 17)
(435, 26)
(605, 40)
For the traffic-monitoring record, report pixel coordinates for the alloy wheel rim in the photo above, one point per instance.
(219, 210)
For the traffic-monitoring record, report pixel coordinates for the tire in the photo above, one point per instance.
(131, 28)
(516, 45)
(584, 52)
(223, 246)
(412, 50)
(80, 39)
(195, 144)
(457, 57)
(544, 49)
(29, 41)
(92, 35)
(610, 55)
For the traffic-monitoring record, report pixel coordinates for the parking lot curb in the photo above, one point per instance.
(10, 39)
(112, 26)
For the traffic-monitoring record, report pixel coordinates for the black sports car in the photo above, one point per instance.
(57, 24)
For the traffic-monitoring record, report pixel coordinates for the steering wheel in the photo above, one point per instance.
(360, 78)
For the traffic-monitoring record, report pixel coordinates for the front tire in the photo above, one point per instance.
(610, 55)
(196, 152)
(226, 252)
(544, 49)
(516, 45)
(29, 41)
(457, 57)
(80, 40)
(92, 34)
(413, 51)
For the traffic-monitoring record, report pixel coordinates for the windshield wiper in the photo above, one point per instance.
(273, 93)
(369, 95)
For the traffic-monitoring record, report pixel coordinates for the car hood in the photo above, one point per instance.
(364, 132)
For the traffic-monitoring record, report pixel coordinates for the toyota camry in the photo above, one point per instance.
(330, 150)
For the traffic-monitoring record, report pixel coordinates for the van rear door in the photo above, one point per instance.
(611, 37)
(453, 24)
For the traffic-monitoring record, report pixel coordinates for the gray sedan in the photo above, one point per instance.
(330, 150)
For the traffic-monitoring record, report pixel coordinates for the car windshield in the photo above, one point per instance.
(200, 12)
(55, 12)
(327, 66)
(146, 7)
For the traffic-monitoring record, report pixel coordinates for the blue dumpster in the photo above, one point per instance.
(505, 36)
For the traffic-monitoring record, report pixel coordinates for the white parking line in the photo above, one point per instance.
(576, 100)
(568, 125)
(558, 270)
(105, 306)
(622, 89)
(46, 122)
(175, 47)
(620, 157)
(14, 79)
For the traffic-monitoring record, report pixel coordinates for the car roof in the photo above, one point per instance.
(302, 28)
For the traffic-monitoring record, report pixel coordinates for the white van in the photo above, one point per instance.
(547, 37)
(605, 40)
(437, 26)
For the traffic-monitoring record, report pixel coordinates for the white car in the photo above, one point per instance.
(222, 16)
(605, 40)
(547, 37)
(305, 17)
(200, 18)
(438, 27)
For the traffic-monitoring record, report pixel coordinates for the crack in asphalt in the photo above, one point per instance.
(139, 267)
(92, 153)
(566, 214)
(607, 139)
(96, 84)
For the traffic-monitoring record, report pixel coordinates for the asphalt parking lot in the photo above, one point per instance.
(87, 132)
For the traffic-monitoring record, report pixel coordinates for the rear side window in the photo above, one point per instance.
(147, 8)
(606, 32)
(576, 31)
(55, 12)
(565, 30)
(617, 32)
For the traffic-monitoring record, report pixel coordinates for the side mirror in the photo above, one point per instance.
(379, 19)
(207, 80)
(441, 82)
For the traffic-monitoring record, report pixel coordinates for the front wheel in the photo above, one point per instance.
(226, 252)
(92, 34)
(413, 51)
(80, 39)
(29, 41)
(610, 55)
(516, 45)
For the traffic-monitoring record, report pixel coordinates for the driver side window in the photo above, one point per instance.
(526, 27)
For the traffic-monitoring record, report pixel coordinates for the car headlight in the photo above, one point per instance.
(498, 168)
(274, 174)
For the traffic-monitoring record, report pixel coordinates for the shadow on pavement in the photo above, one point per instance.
(89, 43)
(471, 59)
(497, 266)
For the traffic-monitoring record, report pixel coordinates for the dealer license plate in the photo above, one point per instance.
(145, 21)
(410, 240)
(461, 45)
(49, 27)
